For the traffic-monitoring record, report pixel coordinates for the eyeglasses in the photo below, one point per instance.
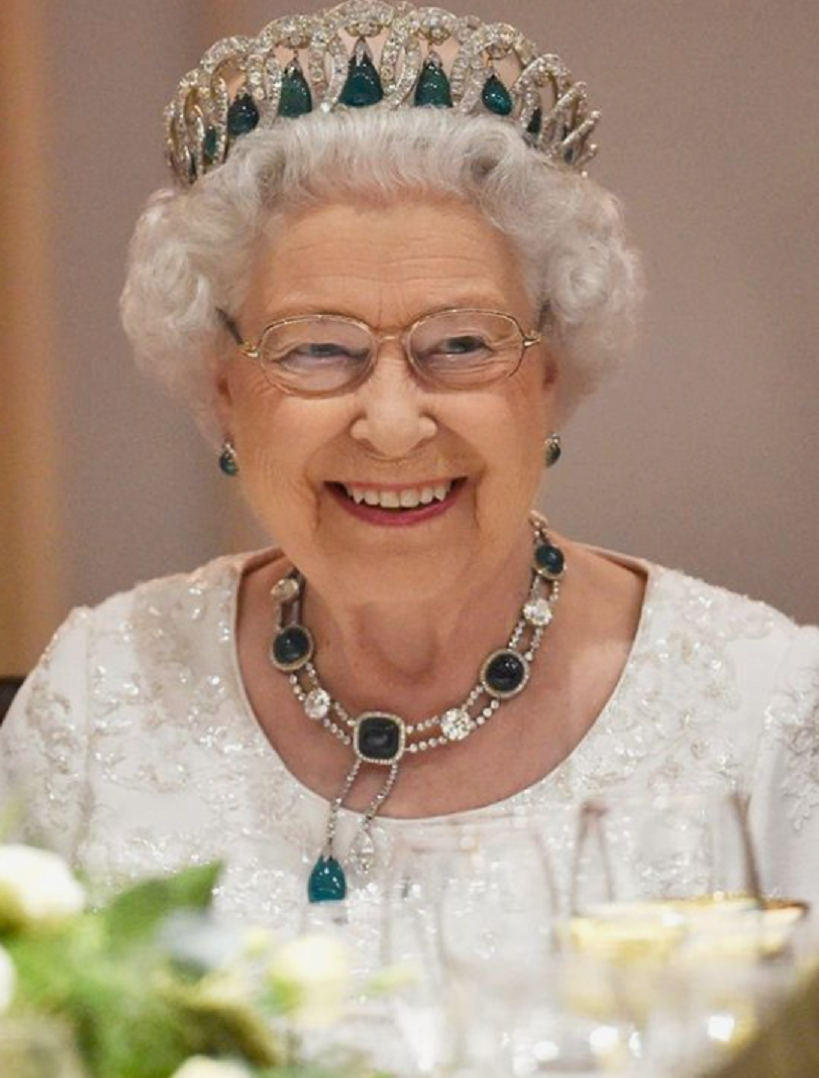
(322, 355)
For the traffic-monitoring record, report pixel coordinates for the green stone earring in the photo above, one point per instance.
(228, 460)
(552, 449)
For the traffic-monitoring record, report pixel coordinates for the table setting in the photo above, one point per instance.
(655, 954)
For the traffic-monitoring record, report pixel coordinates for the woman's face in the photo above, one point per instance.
(302, 459)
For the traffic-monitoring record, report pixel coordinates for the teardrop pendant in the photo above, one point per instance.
(362, 853)
(535, 125)
(296, 99)
(327, 882)
(432, 89)
(496, 97)
(210, 145)
(243, 116)
(363, 86)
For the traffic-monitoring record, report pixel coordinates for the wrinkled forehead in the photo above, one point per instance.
(397, 260)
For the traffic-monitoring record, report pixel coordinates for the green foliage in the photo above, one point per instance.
(106, 976)
(134, 916)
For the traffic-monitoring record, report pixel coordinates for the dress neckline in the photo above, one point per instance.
(585, 747)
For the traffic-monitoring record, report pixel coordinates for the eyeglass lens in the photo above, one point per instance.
(452, 349)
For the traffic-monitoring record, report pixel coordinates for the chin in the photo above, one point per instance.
(394, 566)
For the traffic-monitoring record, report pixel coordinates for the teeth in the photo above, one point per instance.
(410, 498)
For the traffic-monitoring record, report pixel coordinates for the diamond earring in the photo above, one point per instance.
(228, 460)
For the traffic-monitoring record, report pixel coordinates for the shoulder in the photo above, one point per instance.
(763, 658)
(96, 645)
(178, 596)
(716, 635)
(710, 616)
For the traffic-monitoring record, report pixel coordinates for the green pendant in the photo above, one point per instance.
(363, 86)
(296, 99)
(243, 115)
(210, 144)
(432, 89)
(535, 125)
(327, 881)
(496, 97)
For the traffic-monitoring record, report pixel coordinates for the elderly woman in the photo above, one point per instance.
(382, 283)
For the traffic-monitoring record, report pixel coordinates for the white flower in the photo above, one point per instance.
(202, 1067)
(8, 981)
(36, 888)
(312, 973)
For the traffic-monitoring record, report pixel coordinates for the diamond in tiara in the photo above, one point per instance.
(379, 55)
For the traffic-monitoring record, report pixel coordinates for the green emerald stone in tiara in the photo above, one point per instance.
(496, 97)
(243, 116)
(296, 99)
(432, 89)
(363, 86)
(376, 54)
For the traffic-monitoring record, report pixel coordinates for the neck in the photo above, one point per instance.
(416, 657)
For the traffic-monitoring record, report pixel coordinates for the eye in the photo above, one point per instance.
(462, 346)
(318, 353)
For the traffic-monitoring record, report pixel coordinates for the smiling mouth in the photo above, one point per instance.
(403, 500)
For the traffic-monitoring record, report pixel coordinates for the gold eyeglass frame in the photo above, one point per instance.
(254, 351)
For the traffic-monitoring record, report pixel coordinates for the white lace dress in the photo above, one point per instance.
(137, 752)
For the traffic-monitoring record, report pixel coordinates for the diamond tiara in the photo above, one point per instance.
(326, 63)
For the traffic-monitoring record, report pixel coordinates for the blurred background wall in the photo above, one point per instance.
(702, 454)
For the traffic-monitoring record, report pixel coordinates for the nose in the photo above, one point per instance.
(393, 416)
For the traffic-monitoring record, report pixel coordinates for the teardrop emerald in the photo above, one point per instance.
(535, 125)
(327, 881)
(496, 97)
(363, 86)
(296, 99)
(432, 89)
(209, 145)
(243, 115)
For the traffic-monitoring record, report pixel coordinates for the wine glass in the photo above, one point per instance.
(654, 873)
(703, 1013)
(660, 881)
(471, 906)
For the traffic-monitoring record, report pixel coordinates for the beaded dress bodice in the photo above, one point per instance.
(137, 750)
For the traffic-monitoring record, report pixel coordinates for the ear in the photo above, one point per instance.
(551, 370)
(224, 399)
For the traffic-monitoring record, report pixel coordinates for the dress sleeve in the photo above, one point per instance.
(43, 742)
(785, 792)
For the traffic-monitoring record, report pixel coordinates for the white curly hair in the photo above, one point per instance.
(191, 251)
